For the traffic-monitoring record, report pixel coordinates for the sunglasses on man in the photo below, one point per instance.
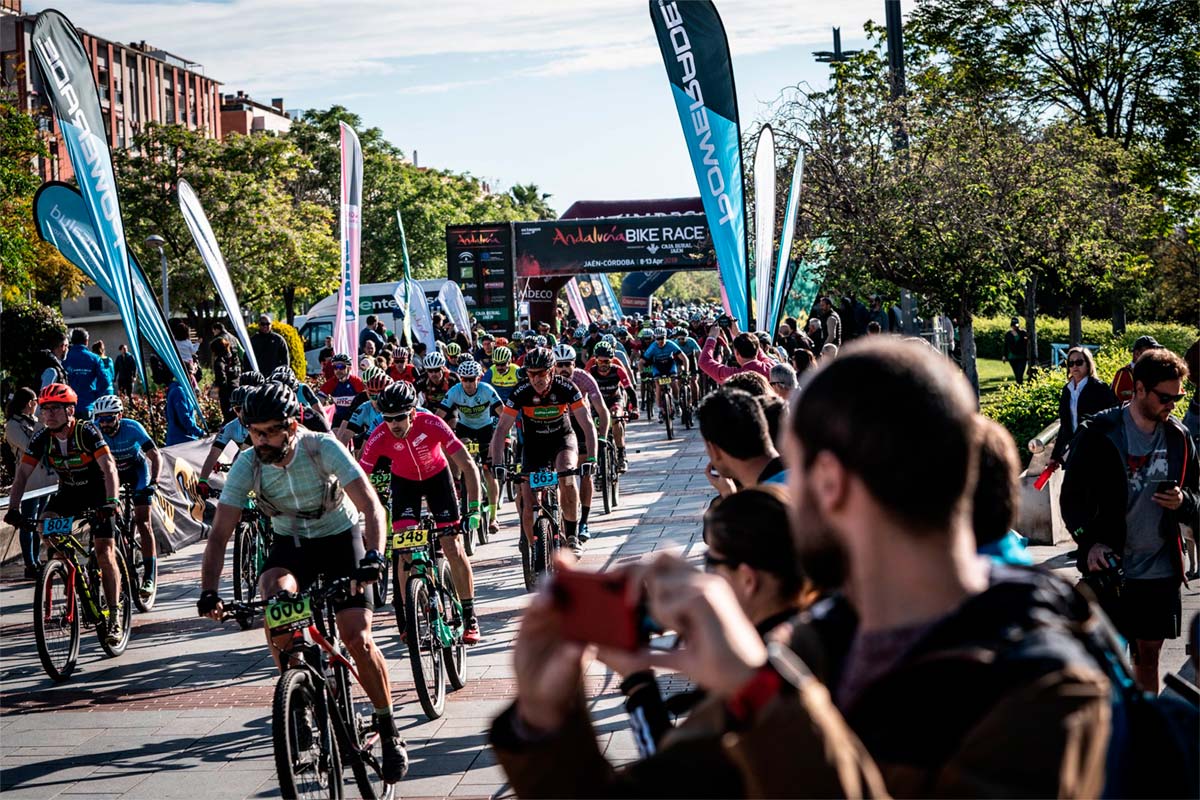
(1167, 399)
(397, 417)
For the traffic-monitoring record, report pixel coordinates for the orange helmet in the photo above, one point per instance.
(57, 393)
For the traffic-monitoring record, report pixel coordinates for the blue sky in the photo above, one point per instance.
(568, 94)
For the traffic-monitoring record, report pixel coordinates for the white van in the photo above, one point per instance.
(373, 298)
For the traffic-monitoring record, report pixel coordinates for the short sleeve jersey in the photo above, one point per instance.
(474, 411)
(365, 418)
(611, 382)
(503, 380)
(586, 385)
(435, 392)
(73, 459)
(342, 393)
(299, 487)
(233, 431)
(662, 357)
(548, 414)
(128, 446)
(421, 454)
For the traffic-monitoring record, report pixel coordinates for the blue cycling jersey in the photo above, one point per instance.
(234, 431)
(365, 419)
(128, 446)
(689, 346)
(662, 357)
(477, 411)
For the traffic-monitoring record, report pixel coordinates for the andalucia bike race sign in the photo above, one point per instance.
(575, 246)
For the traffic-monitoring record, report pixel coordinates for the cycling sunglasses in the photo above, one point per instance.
(397, 417)
(341, 366)
(535, 373)
(1076, 362)
(469, 380)
(104, 419)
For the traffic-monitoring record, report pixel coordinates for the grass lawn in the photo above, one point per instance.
(993, 373)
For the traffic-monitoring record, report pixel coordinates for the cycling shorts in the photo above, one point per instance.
(659, 370)
(440, 499)
(541, 452)
(335, 556)
(77, 501)
(139, 481)
(481, 436)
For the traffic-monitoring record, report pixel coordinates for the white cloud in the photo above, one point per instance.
(284, 45)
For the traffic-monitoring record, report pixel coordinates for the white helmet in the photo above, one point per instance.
(469, 368)
(434, 361)
(564, 354)
(108, 404)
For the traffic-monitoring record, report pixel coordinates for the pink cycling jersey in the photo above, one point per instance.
(419, 455)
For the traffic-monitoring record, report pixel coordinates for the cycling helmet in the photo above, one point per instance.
(377, 382)
(645, 333)
(470, 368)
(602, 350)
(340, 358)
(622, 332)
(564, 354)
(608, 337)
(402, 352)
(592, 327)
(580, 332)
(57, 393)
(660, 332)
(540, 341)
(285, 377)
(501, 355)
(539, 358)
(529, 336)
(238, 396)
(251, 378)
(679, 332)
(397, 398)
(486, 337)
(108, 404)
(453, 349)
(435, 361)
(271, 401)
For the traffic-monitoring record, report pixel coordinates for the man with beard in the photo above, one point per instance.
(960, 677)
(314, 492)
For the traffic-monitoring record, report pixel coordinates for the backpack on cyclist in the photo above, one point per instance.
(331, 497)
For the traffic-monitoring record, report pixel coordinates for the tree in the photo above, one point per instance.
(27, 264)
(529, 198)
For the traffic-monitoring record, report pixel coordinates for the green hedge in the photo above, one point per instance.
(295, 347)
(25, 326)
(989, 334)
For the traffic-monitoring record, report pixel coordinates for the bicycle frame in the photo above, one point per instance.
(423, 562)
(65, 547)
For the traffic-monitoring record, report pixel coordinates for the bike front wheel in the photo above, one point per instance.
(424, 648)
(56, 621)
(135, 563)
(306, 752)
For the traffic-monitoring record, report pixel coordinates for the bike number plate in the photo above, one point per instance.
(543, 478)
(410, 539)
(289, 615)
(472, 448)
(57, 526)
(664, 380)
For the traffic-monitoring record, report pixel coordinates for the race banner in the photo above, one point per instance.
(345, 331)
(417, 312)
(786, 237)
(61, 217)
(451, 298)
(581, 246)
(764, 224)
(178, 515)
(695, 53)
(71, 90)
(210, 254)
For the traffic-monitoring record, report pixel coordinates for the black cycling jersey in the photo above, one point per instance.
(435, 392)
(548, 414)
(74, 460)
(610, 384)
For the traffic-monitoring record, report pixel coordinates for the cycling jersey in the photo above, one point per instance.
(586, 385)
(233, 431)
(611, 383)
(365, 418)
(690, 349)
(420, 454)
(544, 415)
(128, 444)
(75, 459)
(662, 358)
(503, 380)
(435, 392)
(342, 393)
(408, 374)
(475, 411)
(300, 489)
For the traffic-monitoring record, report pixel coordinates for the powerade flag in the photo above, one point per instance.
(62, 220)
(696, 55)
(67, 76)
(764, 225)
(210, 253)
(785, 242)
(345, 330)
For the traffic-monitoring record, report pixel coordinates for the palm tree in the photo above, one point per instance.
(530, 198)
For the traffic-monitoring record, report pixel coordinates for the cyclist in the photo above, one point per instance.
(476, 405)
(314, 493)
(436, 381)
(341, 389)
(453, 351)
(483, 351)
(138, 462)
(87, 480)
(691, 351)
(663, 357)
(617, 390)
(313, 417)
(564, 367)
(421, 448)
(234, 431)
(544, 402)
(503, 374)
(402, 368)
(366, 418)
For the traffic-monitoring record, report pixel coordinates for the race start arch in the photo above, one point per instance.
(502, 266)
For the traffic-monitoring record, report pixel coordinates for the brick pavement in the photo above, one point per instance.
(185, 712)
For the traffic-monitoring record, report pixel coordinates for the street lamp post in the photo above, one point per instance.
(157, 242)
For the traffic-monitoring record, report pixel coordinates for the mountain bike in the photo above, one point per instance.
(685, 402)
(547, 525)
(433, 620)
(608, 474)
(69, 593)
(129, 543)
(321, 718)
(512, 462)
(251, 546)
(382, 483)
(667, 404)
(473, 450)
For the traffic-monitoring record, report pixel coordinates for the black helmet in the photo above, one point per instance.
(539, 358)
(271, 401)
(251, 378)
(398, 398)
(284, 376)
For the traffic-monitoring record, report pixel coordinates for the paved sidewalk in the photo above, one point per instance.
(185, 712)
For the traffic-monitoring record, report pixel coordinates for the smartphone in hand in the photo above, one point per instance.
(596, 609)
(1165, 486)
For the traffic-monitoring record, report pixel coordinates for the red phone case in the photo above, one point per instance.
(594, 609)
